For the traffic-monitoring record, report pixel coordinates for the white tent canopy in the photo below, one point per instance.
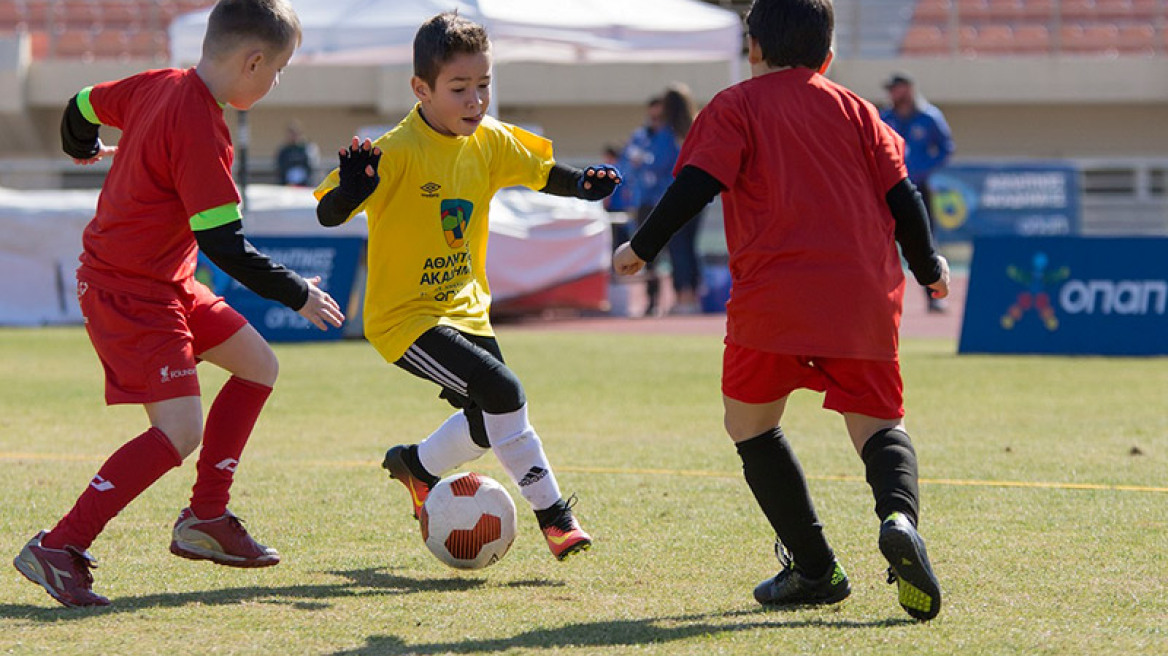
(560, 31)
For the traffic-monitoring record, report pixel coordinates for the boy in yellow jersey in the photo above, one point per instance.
(426, 186)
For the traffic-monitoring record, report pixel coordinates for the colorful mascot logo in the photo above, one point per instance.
(455, 217)
(1035, 282)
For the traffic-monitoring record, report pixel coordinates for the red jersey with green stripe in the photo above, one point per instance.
(173, 162)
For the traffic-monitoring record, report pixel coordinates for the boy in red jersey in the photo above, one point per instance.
(169, 195)
(816, 198)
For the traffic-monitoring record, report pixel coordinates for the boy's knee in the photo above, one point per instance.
(265, 369)
(496, 389)
(185, 437)
(741, 428)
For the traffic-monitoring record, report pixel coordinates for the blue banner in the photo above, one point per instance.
(334, 259)
(1067, 295)
(1039, 199)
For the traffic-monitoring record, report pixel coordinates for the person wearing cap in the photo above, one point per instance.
(928, 143)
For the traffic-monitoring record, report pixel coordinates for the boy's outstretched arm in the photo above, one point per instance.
(227, 247)
(916, 241)
(691, 191)
(593, 183)
(79, 135)
(358, 179)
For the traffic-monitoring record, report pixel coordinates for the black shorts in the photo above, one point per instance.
(469, 368)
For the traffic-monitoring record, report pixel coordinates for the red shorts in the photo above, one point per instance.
(868, 387)
(149, 347)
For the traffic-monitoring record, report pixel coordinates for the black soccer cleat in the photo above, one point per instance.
(908, 566)
(791, 587)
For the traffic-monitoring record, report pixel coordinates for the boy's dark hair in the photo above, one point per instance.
(441, 38)
(233, 22)
(792, 32)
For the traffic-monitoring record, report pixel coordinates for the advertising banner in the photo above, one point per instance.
(334, 259)
(1016, 199)
(1067, 295)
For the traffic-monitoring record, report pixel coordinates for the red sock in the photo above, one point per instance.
(229, 424)
(129, 471)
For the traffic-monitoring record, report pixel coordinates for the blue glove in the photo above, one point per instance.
(598, 181)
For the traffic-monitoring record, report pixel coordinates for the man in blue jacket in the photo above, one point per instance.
(927, 140)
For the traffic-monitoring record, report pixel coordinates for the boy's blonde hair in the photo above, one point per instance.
(441, 38)
(235, 22)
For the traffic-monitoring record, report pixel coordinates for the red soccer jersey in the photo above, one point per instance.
(174, 161)
(813, 261)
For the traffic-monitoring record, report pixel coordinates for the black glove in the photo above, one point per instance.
(593, 186)
(356, 183)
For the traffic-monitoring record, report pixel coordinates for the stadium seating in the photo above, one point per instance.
(1038, 27)
(138, 28)
(924, 40)
(95, 29)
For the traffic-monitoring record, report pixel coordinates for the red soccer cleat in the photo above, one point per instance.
(63, 573)
(223, 540)
(564, 535)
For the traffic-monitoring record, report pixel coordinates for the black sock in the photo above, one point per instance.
(776, 479)
(891, 467)
(414, 464)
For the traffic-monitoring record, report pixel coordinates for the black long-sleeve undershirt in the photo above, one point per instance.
(693, 189)
(227, 247)
(334, 207)
(563, 180)
(912, 231)
(79, 137)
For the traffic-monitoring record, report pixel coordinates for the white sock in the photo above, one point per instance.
(449, 447)
(520, 451)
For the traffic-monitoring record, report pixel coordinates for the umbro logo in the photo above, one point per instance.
(430, 190)
(100, 484)
(533, 476)
(227, 464)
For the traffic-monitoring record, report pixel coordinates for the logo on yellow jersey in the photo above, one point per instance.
(455, 217)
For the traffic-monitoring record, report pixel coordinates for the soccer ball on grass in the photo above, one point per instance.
(468, 521)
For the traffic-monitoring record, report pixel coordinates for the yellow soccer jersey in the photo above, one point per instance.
(428, 225)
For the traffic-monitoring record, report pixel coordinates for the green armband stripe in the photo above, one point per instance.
(86, 107)
(215, 217)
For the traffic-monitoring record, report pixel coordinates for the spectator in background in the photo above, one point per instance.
(649, 158)
(927, 140)
(677, 110)
(297, 159)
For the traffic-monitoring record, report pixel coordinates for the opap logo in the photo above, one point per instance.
(1075, 296)
(1034, 281)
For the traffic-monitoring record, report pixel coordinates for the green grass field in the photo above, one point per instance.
(1045, 502)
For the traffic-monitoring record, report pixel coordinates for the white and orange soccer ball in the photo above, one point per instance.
(468, 521)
